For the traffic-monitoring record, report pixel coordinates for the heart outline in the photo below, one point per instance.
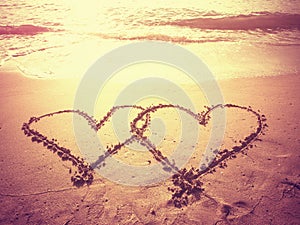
(84, 173)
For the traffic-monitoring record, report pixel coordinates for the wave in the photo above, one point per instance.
(253, 21)
(160, 37)
(257, 36)
(30, 51)
(23, 30)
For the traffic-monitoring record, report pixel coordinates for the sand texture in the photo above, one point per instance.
(255, 186)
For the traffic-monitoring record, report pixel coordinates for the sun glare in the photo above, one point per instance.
(85, 12)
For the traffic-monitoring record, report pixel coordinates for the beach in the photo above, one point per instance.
(260, 187)
(197, 125)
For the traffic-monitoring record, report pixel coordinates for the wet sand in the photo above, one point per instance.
(260, 187)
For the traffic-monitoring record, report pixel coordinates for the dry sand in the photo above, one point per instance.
(261, 187)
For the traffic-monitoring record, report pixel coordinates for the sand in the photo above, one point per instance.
(260, 187)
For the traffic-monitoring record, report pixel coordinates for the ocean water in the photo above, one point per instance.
(53, 39)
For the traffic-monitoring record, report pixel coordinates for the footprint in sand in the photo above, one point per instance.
(235, 210)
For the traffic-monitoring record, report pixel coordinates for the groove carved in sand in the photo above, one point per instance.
(186, 182)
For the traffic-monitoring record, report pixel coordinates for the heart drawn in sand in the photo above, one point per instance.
(186, 182)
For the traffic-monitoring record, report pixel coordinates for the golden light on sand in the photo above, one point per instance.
(47, 177)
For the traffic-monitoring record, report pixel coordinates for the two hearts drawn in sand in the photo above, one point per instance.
(186, 182)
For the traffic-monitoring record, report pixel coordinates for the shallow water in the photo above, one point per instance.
(234, 38)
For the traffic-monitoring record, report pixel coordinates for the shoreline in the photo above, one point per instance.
(12, 68)
(34, 179)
